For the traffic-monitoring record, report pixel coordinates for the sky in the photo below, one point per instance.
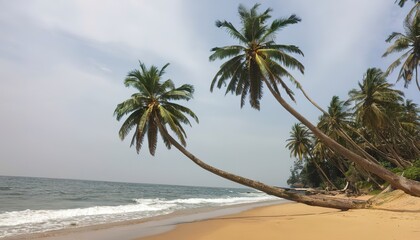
(63, 63)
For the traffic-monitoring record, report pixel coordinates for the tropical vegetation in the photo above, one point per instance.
(380, 120)
(256, 63)
(371, 139)
(152, 110)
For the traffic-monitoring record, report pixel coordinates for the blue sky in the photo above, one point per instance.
(62, 66)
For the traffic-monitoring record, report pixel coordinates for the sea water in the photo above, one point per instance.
(31, 205)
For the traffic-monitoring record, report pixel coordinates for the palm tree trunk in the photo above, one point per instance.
(355, 145)
(417, 79)
(408, 186)
(399, 161)
(378, 151)
(315, 200)
(322, 173)
(310, 99)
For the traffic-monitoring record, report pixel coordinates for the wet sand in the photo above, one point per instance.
(134, 229)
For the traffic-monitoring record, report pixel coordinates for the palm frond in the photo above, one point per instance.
(152, 133)
(279, 24)
(227, 70)
(399, 45)
(284, 48)
(224, 52)
(130, 123)
(255, 85)
(231, 30)
(284, 58)
(183, 109)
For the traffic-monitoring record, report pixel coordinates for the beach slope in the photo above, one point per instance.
(393, 216)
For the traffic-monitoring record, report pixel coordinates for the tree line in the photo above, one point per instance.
(376, 121)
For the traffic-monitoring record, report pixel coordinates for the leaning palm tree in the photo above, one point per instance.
(259, 61)
(151, 110)
(409, 42)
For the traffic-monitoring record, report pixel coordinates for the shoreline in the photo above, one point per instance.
(133, 229)
(393, 217)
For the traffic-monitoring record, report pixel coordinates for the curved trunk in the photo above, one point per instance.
(408, 186)
(355, 145)
(378, 151)
(312, 101)
(321, 201)
(399, 161)
(417, 80)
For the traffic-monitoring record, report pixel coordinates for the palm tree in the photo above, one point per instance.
(337, 121)
(258, 60)
(339, 125)
(299, 142)
(257, 57)
(373, 100)
(300, 146)
(409, 119)
(408, 42)
(151, 109)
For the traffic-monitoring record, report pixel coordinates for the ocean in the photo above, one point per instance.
(33, 205)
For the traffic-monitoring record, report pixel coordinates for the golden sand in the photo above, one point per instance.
(393, 216)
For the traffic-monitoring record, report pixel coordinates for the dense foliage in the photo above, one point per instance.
(376, 121)
(377, 117)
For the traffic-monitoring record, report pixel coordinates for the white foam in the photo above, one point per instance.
(29, 221)
(183, 203)
(41, 216)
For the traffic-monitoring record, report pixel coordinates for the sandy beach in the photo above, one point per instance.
(395, 216)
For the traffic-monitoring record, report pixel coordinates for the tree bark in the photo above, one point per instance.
(408, 186)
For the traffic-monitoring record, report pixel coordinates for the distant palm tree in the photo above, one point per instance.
(410, 117)
(337, 120)
(300, 145)
(151, 110)
(408, 42)
(299, 142)
(259, 60)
